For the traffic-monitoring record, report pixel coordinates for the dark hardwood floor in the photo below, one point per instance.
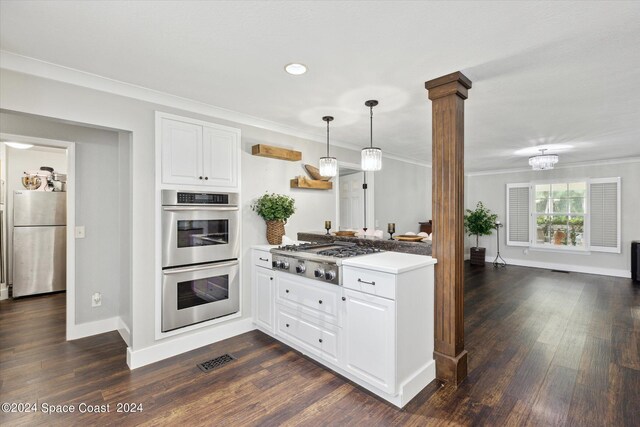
(545, 348)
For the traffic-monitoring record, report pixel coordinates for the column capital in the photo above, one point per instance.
(454, 83)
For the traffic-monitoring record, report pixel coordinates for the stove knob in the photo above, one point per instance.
(285, 265)
(277, 264)
(318, 272)
(330, 275)
(300, 268)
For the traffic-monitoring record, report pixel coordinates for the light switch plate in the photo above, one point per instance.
(80, 232)
(96, 299)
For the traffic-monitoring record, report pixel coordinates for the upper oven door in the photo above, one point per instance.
(198, 234)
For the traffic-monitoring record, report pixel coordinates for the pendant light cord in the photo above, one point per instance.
(371, 125)
(327, 138)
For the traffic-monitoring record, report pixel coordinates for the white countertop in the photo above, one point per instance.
(265, 248)
(390, 262)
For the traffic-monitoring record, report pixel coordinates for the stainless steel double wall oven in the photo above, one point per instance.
(200, 247)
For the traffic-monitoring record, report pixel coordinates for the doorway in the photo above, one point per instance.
(354, 204)
(38, 158)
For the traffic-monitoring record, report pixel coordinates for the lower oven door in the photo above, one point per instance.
(198, 234)
(199, 293)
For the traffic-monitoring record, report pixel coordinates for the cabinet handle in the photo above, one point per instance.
(344, 299)
(320, 340)
(320, 302)
(287, 325)
(270, 278)
(206, 177)
(287, 290)
(263, 259)
(368, 283)
(199, 177)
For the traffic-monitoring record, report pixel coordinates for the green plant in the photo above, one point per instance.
(479, 222)
(274, 207)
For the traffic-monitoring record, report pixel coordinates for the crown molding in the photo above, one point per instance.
(48, 70)
(564, 166)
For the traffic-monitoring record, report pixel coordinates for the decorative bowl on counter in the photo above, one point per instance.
(345, 233)
(409, 238)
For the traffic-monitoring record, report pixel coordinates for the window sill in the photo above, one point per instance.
(560, 250)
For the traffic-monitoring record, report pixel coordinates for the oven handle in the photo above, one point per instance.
(199, 208)
(199, 267)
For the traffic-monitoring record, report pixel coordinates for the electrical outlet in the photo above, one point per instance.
(80, 232)
(96, 299)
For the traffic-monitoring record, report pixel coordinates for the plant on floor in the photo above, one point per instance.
(275, 209)
(479, 222)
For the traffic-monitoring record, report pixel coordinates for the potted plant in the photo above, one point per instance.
(275, 209)
(479, 222)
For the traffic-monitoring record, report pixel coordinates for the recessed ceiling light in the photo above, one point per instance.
(295, 69)
(19, 145)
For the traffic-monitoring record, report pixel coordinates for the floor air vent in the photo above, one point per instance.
(217, 362)
(559, 271)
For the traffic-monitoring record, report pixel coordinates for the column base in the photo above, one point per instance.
(451, 369)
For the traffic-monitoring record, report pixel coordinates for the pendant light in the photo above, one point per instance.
(543, 161)
(371, 157)
(328, 165)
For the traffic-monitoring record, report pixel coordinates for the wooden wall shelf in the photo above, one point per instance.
(276, 152)
(302, 182)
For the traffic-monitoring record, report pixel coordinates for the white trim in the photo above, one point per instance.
(4, 292)
(71, 220)
(124, 331)
(164, 350)
(560, 249)
(93, 328)
(587, 269)
(36, 67)
(563, 166)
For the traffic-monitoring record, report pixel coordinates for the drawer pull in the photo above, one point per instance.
(270, 278)
(320, 340)
(344, 299)
(263, 259)
(320, 302)
(287, 290)
(368, 283)
(287, 325)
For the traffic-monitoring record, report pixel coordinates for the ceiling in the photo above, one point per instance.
(543, 72)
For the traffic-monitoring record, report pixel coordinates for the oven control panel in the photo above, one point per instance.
(325, 272)
(173, 198)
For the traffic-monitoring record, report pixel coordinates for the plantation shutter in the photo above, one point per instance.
(604, 215)
(518, 216)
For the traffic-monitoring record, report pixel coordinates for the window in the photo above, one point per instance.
(574, 215)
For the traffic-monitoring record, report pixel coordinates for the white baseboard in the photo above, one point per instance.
(93, 328)
(566, 267)
(4, 293)
(124, 331)
(182, 344)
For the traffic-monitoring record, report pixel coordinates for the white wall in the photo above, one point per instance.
(491, 190)
(18, 162)
(97, 207)
(402, 196)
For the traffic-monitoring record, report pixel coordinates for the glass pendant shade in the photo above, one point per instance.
(371, 159)
(543, 161)
(328, 166)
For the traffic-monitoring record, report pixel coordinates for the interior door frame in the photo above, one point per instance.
(370, 194)
(70, 147)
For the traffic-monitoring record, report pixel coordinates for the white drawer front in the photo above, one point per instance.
(370, 282)
(316, 339)
(315, 299)
(262, 258)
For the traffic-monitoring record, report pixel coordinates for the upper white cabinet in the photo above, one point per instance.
(196, 153)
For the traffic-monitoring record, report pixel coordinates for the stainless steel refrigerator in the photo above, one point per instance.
(39, 242)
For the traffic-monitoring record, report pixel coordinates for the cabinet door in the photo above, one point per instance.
(181, 153)
(220, 157)
(263, 282)
(369, 336)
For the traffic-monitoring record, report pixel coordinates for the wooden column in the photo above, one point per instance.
(447, 94)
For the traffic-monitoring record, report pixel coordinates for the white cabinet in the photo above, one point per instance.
(369, 339)
(196, 153)
(263, 281)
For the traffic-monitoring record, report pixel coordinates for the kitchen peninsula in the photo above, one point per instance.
(366, 314)
(416, 248)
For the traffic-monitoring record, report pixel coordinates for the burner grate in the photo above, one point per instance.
(216, 362)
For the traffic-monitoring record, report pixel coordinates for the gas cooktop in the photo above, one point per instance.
(319, 261)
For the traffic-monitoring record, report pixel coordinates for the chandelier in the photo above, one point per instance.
(328, 165)
(543, 161)
(371, 157)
